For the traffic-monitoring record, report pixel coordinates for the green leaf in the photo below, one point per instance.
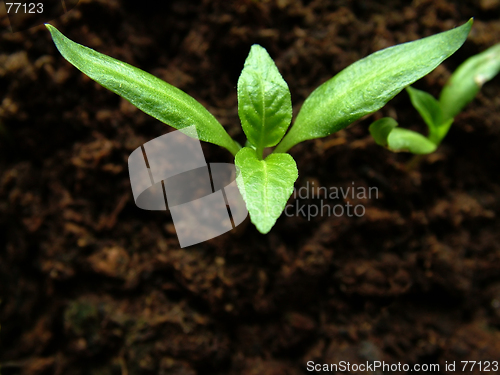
(427, 106)
(467, 80)
(401, 139)
(430, 110)
(437, 134)
(368, 84)
(147, 92)
(387, 134)
(265, 185)
(264, 102)
(380, 130)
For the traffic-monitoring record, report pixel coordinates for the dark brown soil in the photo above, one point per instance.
(91, 284)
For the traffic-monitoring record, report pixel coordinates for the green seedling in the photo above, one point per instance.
(461, 89)
(265, 108)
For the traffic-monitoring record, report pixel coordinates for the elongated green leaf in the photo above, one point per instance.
(369, 83)
(265, 185)
(467, 80)
(147, 92)
(430, 110)
(427, 106)
(264, 102)
(407, 140)
(381, 129)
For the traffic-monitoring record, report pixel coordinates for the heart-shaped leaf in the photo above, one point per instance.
(265, 185)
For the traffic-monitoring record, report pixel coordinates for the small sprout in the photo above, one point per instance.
(461, 89)
(467, 80)
(265, 108)
(387, 134)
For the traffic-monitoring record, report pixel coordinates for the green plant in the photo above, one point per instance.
(461, 89)
(265, 109)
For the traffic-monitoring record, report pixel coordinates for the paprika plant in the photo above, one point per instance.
(265, 108)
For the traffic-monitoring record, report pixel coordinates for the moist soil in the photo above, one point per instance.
(91, 284)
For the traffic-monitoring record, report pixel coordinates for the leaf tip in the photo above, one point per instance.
(256, 46)
(470, 21)
(52, 29)
(263, 229)
(468, 24)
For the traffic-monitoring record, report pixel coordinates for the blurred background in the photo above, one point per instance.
(91, 284)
